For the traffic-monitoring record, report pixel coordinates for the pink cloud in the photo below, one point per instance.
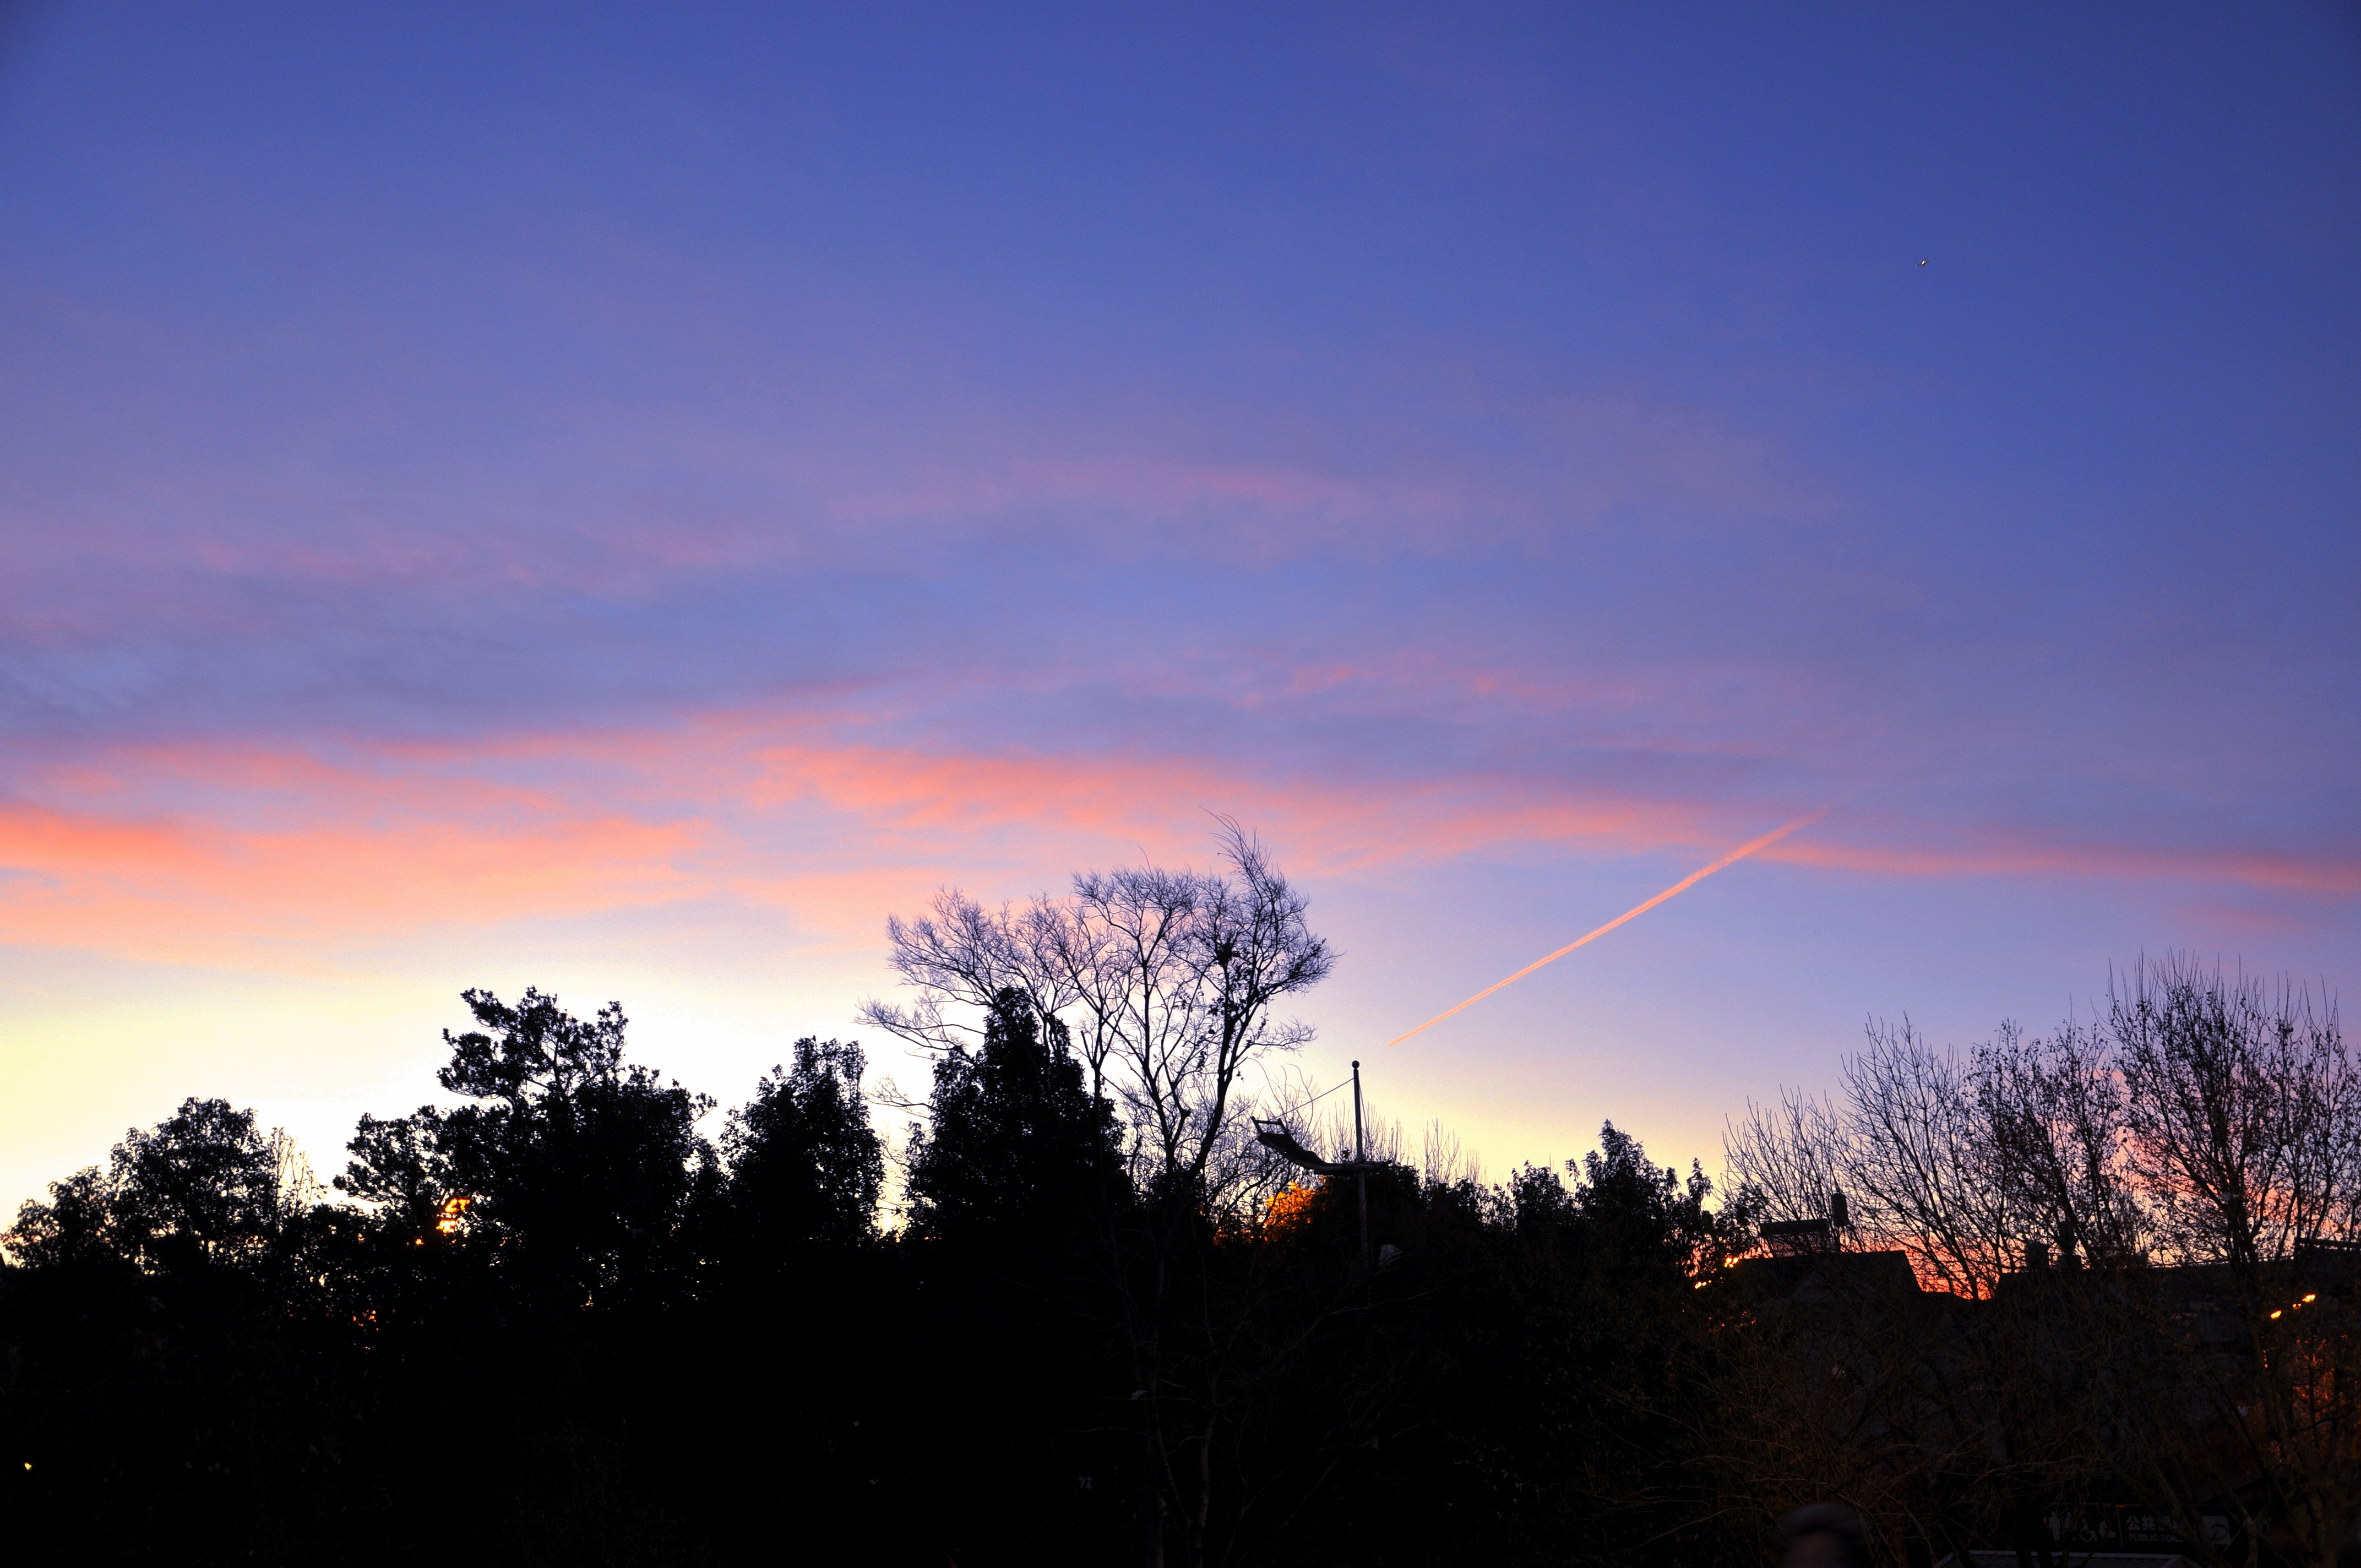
(203, 851)
(272, 849)
(211, 852)
(1999, 855)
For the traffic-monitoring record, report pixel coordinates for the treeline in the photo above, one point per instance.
(560, 1327)
(1100, 1322)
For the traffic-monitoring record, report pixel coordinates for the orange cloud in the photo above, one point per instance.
(337, 865)
(191, 852)
(215, 851)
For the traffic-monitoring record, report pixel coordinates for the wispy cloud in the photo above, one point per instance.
(276, 855)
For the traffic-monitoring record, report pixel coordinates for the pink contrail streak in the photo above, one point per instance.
(1683, 886)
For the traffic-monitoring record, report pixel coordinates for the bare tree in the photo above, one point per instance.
(1793, 1155)
(2243, 1123)
(2055, 1113)
(1139, 970)
(2195, 1156)
(963, 955)
(2244, 1110)
(1166, 981)
(1920, 1164)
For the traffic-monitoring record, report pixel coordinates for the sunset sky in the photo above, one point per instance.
(624, 498)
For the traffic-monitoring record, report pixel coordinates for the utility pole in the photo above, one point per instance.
(1361, 1167)
(1272, 1133)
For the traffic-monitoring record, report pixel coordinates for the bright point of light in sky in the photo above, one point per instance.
(624, 500)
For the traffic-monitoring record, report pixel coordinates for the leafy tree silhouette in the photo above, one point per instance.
(1535, 1332)
(1011, 1191)
(552, 1215)
(75, 1226)
(794, 1294)
(202, 1186)
(587, 1162)
(1019, 1152)
(400, 1165)
(805, 1165)
(157, 1350)
(552, 1323)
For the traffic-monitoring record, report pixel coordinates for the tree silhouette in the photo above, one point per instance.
(548, 1323)
(586, 1164)
(400, 1165)
(1010, 1193)
(1018, 1154)
(201, 1187)
(805, 1165)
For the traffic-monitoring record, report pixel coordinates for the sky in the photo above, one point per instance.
(624, 498)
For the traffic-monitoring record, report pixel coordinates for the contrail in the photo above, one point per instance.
(1683, 886)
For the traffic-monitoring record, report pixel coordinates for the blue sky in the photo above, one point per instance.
(622, 499)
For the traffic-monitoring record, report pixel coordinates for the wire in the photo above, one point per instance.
(1324, 1093)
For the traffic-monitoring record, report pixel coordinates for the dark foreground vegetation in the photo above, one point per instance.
(2086, 1288)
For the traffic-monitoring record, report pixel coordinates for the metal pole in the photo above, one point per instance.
(1361, 1158)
